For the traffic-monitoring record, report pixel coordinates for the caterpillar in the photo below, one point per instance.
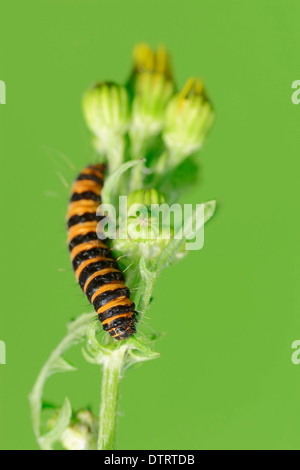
(95, 267)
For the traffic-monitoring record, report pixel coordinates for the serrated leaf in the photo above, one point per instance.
(93, 346)
(168, 254)
(193, 224)
(90, 359)
(63, 420)
(95, 351)
(60, 365)
(137, 358)
(135, 344)
(76, 332)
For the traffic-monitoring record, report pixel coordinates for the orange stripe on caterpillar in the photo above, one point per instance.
(87, 262)
(85, 186)
(116, 317)
(108, 287)
(82, 229)
(102, 272)
(115, 303)
(86, 246)
(95, 267)
(81, 209)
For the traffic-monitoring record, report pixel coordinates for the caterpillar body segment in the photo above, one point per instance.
(96, 270)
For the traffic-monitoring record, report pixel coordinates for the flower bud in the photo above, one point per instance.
(143, 234)
(145, 60)
(106, 111)
(145, 197)
(82, 433)
(153, 87)
(78, 437)
(188, 118)
(142, 226)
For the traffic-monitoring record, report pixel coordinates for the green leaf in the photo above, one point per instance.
(134, 343)
(95, 351)
(111, 183)
(173, 247)
(189, 225)
(60, 365)
(63, 420)
(209, 210)
(138, 352)
(93, 345)
(76, 332)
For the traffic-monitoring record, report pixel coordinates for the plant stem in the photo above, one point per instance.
(137, 153)
(115, 152)
(145, 294)
(112, 369)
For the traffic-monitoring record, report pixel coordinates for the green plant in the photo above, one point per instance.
(147, 133)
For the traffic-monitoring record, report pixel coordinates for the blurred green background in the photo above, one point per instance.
(231, 311)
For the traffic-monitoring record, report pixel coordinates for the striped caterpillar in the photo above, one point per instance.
(96, 270)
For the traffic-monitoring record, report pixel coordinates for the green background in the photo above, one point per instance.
(231, 311)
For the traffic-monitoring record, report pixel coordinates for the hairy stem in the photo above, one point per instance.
(112, 369)
(146, 294)
(137, 153)
(115, 153)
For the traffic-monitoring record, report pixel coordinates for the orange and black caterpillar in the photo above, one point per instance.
(96, 270)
